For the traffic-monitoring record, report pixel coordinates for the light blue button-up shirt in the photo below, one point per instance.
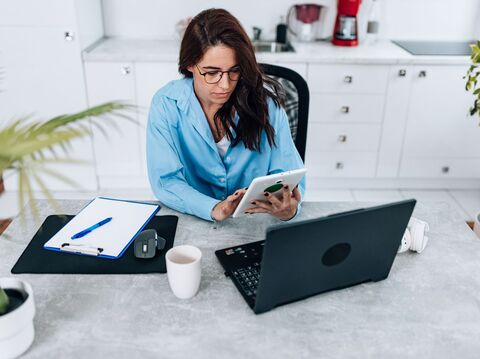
(185, 169)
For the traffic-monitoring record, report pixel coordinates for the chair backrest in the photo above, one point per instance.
(296, 103)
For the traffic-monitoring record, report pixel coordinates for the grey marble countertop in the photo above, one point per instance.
(428, 307)
(383, 52)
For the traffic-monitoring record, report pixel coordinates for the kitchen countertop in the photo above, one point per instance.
(427, 307)
(383, 52)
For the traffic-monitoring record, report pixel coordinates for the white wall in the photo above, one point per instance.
(402, 19)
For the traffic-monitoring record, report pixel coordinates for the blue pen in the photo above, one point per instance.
(91, 228)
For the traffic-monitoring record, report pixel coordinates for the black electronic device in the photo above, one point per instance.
(148, 243)
(304, 258)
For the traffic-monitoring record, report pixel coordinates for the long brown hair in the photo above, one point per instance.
(214, 27)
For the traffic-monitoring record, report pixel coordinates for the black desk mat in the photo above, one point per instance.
(36, 259)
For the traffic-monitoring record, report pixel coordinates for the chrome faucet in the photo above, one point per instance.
(256, 33)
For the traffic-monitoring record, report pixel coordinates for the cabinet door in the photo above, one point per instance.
(42, 78)
(438, 121)
(394, 120)
(118, 153)
(348, 78)
(150, 77)
(37, 13)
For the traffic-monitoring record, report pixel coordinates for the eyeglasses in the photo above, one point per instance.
(213, 77)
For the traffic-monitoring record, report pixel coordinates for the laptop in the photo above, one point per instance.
(305, 258)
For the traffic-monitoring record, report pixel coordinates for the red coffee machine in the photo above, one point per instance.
(345, 32)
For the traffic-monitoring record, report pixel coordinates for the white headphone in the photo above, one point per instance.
(414, 237)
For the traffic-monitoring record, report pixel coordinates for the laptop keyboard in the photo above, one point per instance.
(248, 278)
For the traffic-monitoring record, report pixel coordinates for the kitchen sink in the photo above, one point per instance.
(272, 46)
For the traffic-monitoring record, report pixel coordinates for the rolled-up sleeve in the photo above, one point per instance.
(165, 170)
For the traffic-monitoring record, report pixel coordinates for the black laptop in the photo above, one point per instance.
(301, 259)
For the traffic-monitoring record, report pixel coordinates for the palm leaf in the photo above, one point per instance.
(25, 144)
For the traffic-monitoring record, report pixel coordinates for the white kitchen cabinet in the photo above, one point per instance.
(439, 130)
(394, 121)
(351, 108)
(348, 78)
(117, 153)
(345, 120)
(43, 74)
(343, 137)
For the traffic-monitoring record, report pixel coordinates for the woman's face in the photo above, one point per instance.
(215, 59)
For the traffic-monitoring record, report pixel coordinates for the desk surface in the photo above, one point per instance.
(428, 307)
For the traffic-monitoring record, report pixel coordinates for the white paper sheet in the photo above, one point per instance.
(128, 218)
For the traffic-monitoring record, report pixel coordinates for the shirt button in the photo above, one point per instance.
(228, 158)
(223, 198)
(222, 180)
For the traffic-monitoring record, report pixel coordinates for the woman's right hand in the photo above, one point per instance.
(225, 209)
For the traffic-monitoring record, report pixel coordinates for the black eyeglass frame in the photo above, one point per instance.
(221, 75)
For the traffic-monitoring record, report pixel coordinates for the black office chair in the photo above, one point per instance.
(296, 103)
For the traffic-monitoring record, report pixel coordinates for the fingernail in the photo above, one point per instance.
(286, 186)
(236, 194)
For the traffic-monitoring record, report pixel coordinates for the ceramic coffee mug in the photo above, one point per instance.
(184, 270)
(476, 225)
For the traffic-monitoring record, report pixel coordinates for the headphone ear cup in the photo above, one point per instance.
(419, 244)
(419, 240)
(406, 242)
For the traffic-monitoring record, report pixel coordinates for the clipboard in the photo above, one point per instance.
(110, 240)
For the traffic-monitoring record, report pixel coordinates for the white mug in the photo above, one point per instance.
(476, 225)
(184, 270)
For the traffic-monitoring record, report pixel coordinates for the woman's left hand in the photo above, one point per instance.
(283, 208)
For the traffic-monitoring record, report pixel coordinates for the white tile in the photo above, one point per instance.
(329, 195)
(435, 196)
(469, 200)
(379, 195)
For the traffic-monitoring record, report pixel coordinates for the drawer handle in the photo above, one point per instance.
(445, 169)
(342, 138)
(402, 72)
(68, 36)
(345, 109)
(348, 79)
(339, 165)
(422, 73)
(125, 70)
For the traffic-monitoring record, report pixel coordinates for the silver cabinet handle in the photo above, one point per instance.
(342, 138)
(402, 72)
(348, 79)
(339, 165)
(422, 73)
(345, 109)
(125, 70)
(68, 36)
(445, 169)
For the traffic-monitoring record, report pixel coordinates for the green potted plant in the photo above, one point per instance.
(472, 76)
(17, 310)
(27, 148)
(472, 79)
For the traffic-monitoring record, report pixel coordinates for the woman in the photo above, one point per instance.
(210, 134)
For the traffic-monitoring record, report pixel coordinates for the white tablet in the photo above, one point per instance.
(271, 183)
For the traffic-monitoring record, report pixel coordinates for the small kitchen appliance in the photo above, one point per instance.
(345, 32)
(305, 22)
